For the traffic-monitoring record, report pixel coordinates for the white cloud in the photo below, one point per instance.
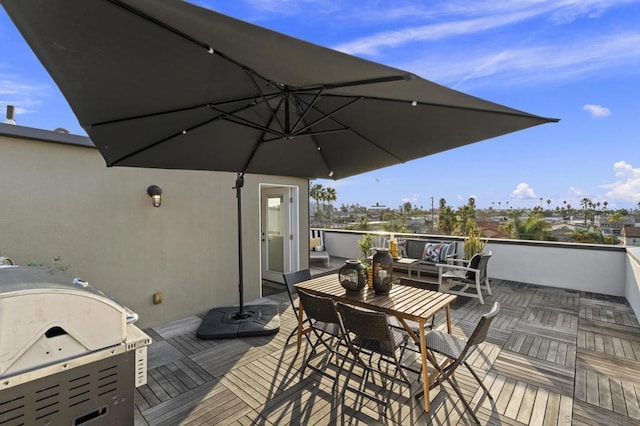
(597, 111)
(543, 62)
(371, 45)
(627, 186)
(460, 18)
(523, 192)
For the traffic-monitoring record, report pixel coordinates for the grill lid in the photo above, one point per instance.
(48, 316)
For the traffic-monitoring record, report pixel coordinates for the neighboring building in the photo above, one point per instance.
(631, 235)
(59, 199)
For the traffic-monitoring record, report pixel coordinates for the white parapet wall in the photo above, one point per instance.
(632, 283)
(599, 269)
(585, 267)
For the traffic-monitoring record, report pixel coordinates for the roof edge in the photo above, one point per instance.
(31, 133)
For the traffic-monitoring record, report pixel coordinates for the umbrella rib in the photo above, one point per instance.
(362, 136)
(153, 20)
(253, 75)
(255, 147)
(306, 111)
(322, 156)
(246, 123)
(513, 112)
(319, 132)
(173, 111)
(329, 86)
(325, 115)
(183, 132)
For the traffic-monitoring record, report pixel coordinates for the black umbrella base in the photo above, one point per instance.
(227, 322)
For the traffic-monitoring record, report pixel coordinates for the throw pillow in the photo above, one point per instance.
(444, 252)
(431, 252)
(402, 248)
(313, 243)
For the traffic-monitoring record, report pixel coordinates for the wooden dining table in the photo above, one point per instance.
(403, 302)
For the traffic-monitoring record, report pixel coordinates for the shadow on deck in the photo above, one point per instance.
(553, 356)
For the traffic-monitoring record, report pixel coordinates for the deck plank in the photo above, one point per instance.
(546, 344)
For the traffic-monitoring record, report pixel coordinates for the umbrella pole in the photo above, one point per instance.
(239, 184)
(233, 321)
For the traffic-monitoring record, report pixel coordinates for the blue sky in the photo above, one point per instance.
(577, 60)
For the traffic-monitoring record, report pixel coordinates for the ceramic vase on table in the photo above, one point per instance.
(352, 275)
(382, 271)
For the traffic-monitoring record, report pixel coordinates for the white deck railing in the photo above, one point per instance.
(613, 270)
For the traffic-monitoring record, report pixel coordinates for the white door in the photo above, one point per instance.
(279, 231)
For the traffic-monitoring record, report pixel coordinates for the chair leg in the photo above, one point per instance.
(445, 375)
(462, 398)
(475, 376)
(479, 290)
(488, 286)
(295, 331)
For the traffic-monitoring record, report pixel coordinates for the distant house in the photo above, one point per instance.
(59, 199)
(631, 235)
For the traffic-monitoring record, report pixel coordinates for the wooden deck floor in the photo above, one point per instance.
(553, 357)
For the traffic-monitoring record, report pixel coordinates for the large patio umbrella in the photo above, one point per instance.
(166, 84)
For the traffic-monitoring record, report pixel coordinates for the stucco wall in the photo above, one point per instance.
(60, 200)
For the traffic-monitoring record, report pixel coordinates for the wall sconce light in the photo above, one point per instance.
(155, 192)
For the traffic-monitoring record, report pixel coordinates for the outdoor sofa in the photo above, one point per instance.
(426, 253)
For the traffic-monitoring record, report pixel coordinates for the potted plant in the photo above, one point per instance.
(366, 244)
(472, 245)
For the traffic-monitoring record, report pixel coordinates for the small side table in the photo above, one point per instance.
(406, 261)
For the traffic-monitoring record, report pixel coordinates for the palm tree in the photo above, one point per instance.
(446, 218)
(585, 203)
(315, 192)
(548, 204)
(330, 196)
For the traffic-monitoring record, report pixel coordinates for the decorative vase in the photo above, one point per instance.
(352, 275)
(393, 248)
(382, 266)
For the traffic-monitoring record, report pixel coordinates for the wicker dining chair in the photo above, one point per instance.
(458, 351)
(368, 333)
(324, 324)
(290, 279)
(396, 325)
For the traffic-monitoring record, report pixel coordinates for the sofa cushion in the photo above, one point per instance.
(414, 248)
(431, 252)
(447, 249)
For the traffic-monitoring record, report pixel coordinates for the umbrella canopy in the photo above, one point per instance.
(166, 84)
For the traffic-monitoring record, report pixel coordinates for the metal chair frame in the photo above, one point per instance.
(458, 350)
(372, 335)
(323, 322)
(290, 279)
(466, 276)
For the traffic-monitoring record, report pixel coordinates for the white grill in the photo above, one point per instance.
(64, 337)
